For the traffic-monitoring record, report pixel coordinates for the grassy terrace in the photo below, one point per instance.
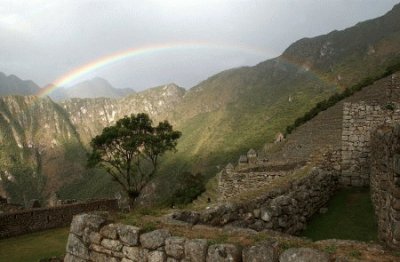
(350, 216)
(33, 247)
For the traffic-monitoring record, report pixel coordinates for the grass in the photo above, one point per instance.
(35, 246)
(350, 216)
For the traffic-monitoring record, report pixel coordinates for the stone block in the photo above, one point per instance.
(156, 256)
(196, 250)
(109, 231)
(264, 251)
(175, 247)
(80, 222)
(224, 253)
(100, 257)
(71, 258)
(303, 254)
(76, 247)
(154, 239)
(396, 163)
(114, 245)
(90, 236)
(129, 235)
(135, 253)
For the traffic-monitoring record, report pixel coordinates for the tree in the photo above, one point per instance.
(129, 150)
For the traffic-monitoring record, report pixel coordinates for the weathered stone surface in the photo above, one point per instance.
(76, 247)
(101, 249)
(196, 250)
(135, 253)
(114, 245)
(126, 260)
(129, 235)
(385, 193)
(100, 257)
(156, 256)
(109, 231)
(264, 251)
(175, 247)
(303, 254)
(71, 258)
(90, 236)
(154, 239)
(80, 222)
(223, 253)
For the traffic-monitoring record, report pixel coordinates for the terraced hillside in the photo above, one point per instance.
(325, 130)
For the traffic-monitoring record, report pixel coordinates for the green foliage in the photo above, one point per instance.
(390, 106)
(130, 149)
(189, 188)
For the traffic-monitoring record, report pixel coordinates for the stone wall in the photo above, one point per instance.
(93, 238)
(27, 221)
(385, 182)
(359, 120)
(231, 183)
(285, 208)
(234, 181)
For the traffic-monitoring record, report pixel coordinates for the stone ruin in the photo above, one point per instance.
(93, 237)
(369, 157)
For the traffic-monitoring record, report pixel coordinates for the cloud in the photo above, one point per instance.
(45, 39)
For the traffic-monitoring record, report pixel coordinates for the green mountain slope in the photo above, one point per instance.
(40, 151)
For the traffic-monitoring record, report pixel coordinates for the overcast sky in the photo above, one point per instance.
(43, 40)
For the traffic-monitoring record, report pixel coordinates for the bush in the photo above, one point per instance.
(190, 187)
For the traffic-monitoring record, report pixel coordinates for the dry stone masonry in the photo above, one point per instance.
(359, 120)
(31, 220)
(286, 208)
(231, 182)
(94, 238)
(385, 182)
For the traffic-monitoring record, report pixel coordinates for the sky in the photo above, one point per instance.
(179, 41)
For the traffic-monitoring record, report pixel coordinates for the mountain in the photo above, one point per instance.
(12, 85)
(40, 150)
(94, 88)
(241, 108)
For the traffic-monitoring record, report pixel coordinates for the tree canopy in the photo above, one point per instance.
(129, 150)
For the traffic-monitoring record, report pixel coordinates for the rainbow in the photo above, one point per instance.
(134, 52)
